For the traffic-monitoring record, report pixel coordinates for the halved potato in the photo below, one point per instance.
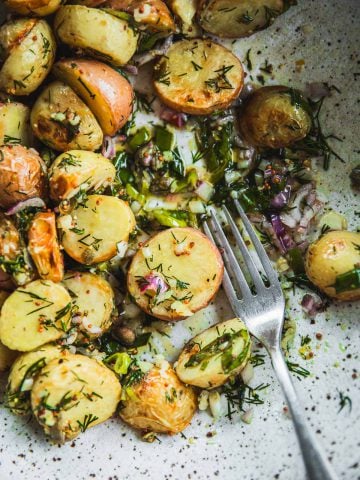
(107, 93)
(15, 124)
(35, 314)
(93, 299)
(63, 122)
(23, 372)
(92, 231)
(176, 273)
(98, 33)
(159, 402)
(198, 77)
(40, 8)
(78, 169)
(214, 355)
(238, 18)
(27, 47)
(7, 357)
(72, 394)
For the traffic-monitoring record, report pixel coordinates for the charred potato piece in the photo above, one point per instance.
(97, 32)
(27, 48)
(39, 8)
(79, 170)
(198, 77)
(44, 247)
(333, 264)
(72, 394)
(22, 175)
(275, 117)
(107, 93)
(162, 278)
(63, 122)
(15, 124)
(159, 402)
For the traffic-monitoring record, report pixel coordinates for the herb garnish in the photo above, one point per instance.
(88, 420)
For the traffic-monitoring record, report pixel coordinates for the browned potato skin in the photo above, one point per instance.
(267, 115)
(108, 94)
(89, 3)
(21, 175)
(33, 7)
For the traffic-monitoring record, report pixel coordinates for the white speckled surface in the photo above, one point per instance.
(325, 35)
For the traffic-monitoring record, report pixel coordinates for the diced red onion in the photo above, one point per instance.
(282, 198)
(286, 242)
(311, 305)
(177, 119)
(36, 202)
(153, 284)
(131, 69)
(108, 147)
(317, 90)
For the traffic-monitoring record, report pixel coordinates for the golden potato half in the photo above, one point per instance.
(159, 402)
(79, 170)
(28, 48)
(107, 93)
(22, 175)
(72, 394)
(333, 264)
(63, 122)
(92, 231)
(35, 314)
(15, 124)
(39, 8)
(237, 18)
(176, 273)
(198, 77)
(98, 33)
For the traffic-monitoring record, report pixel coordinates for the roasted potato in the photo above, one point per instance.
(63, 122)
(238, 18)
(22, 175)
(15, 124)
(107, 93)
(185, 10)
(22, 374)
(159, 402)
(198, 77)
(333, 264)
(72, 394)
(93, 300)
(168, 277)
(44, 247)
(214, 355)
(275, 117)
(97, 32)
(27, 49)
(92, 231)
(39, 8)
(89, 3)
(35, 314)
(79, 170)
(7, 357)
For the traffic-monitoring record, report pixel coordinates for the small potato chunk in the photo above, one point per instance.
(185, 10)
(98, 33)
(238, 18)
(107, 93)
(198, 77)
(92, 231)
(168, 277)
(93, 300)
(7, 357)
(63, 122)
(21, 378)
(79, 170)
(333, 264)
(72, 394)
(39, 8)
(22, 175)
(159, 402)
(28, 49)
(15, 124)
(35, 314)
(214, 355)
(44, 247)
(275, 117)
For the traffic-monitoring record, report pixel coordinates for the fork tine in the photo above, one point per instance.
(260, 250)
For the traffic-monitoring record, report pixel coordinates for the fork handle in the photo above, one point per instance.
(316, 463)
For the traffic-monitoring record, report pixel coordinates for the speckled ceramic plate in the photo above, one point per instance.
(315, 41)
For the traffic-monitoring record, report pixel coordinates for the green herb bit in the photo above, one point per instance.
(196, 66)
(88, 420)
(297, 369)
(248, 60)
(344, 401)
(347, 281)
(8, 140)
(246, 18)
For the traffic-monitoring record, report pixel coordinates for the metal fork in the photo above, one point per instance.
(263, 314)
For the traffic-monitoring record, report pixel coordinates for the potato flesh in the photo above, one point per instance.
(78, 169)
(203, 361)
(186, 10)
(39, 8)
(100, 34)
(15, 124)
(99, 227)
(198, 77)
(176, 256)
(38, 316)
(81, 393)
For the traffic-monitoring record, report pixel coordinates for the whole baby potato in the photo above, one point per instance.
(39, 8)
